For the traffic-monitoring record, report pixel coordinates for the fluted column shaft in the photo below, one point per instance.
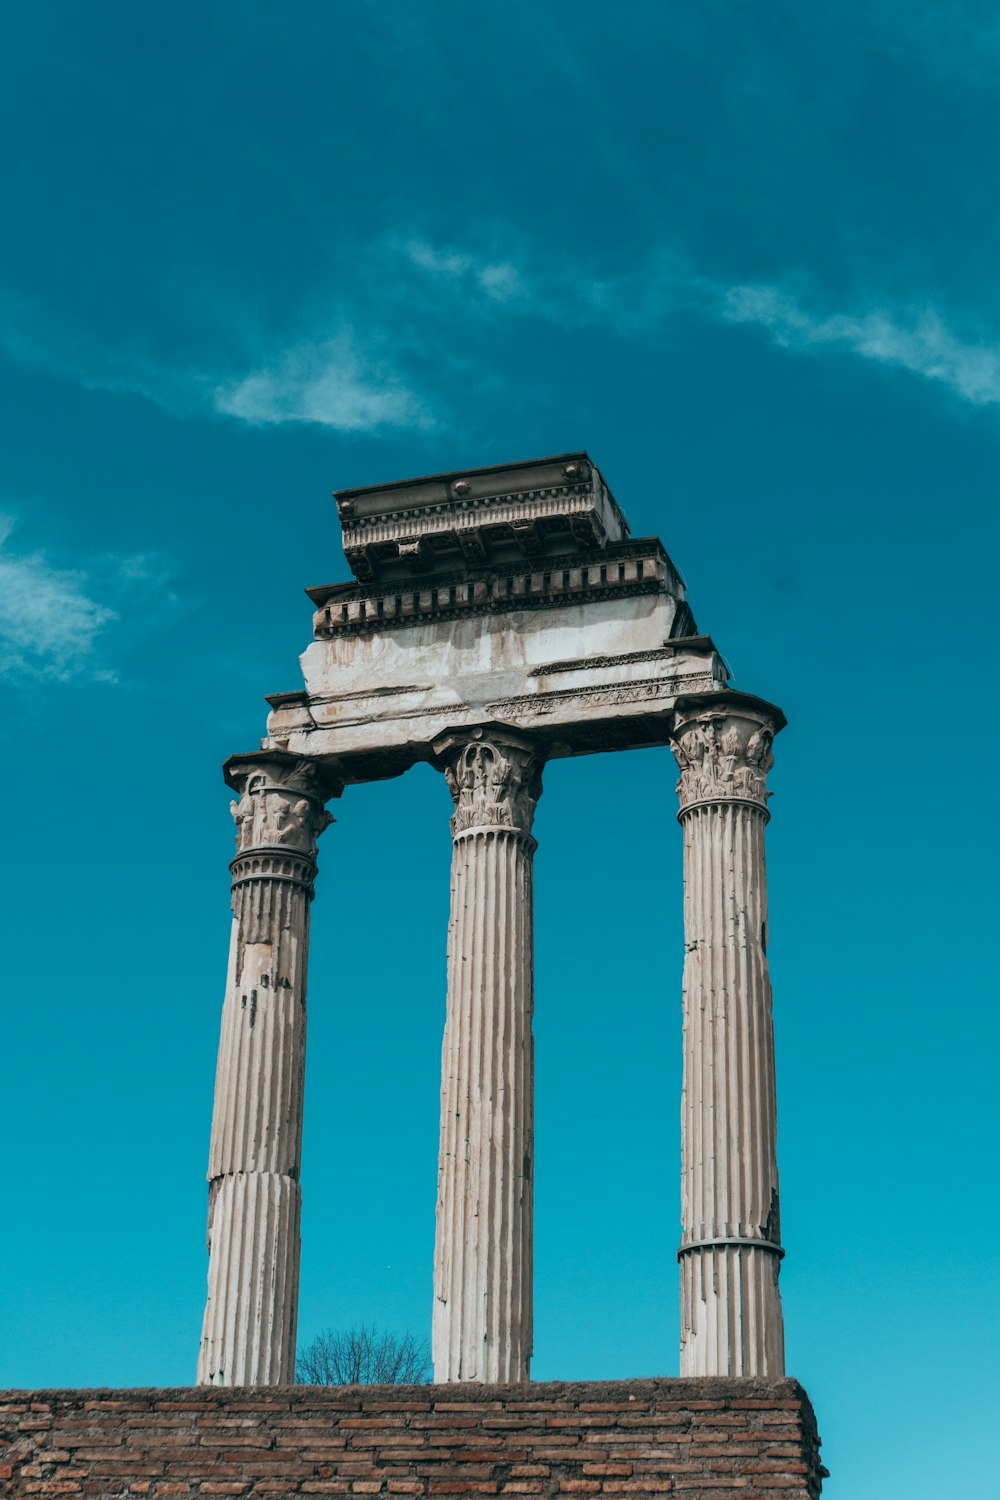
(248, 1336)
(482, 1326)
(731, 1320)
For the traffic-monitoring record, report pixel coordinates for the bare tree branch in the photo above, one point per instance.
(363, 1356)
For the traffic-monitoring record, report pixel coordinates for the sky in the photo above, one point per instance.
(746, 256)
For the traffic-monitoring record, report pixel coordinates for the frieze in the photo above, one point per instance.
(649, 689)
(723, 757)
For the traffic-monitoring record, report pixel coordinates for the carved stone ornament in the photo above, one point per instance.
(723, 757)
(495, 782)
(281, 808)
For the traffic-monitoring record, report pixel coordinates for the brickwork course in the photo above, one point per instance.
(621, 1440)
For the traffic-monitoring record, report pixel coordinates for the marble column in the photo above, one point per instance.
(482, 1327)
(730, 1250)
(248, 1337)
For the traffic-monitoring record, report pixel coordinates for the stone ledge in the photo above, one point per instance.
(624, 571)
(615, 1440)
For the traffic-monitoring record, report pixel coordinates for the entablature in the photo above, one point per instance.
(583, 642)
(574, 706)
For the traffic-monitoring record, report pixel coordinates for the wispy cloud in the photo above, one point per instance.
(547, 287)
(55, 622)
(497, 280)
(400, 345)
(919, 341)
(50, 623)
(638, 302)
(348, 382)
(329, 384)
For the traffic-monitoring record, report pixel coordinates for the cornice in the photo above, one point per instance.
(687, 645)
(619, 572)
(422, 527)
(452, 515)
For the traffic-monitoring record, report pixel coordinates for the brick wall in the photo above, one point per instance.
(702, 1439)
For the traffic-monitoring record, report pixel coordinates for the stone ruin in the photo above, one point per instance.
(498, 618)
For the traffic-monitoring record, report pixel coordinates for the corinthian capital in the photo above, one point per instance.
(724, 752)
(494, 777)
(281, 805)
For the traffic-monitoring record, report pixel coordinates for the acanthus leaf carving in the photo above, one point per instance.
(494, 784)
(723, 757)
(281, 807)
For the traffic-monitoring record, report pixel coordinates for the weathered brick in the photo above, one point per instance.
(748, 1440)
(381, 1421)
(475, 1408)
(462, 1487)
(462, 1471)
(655, 1484)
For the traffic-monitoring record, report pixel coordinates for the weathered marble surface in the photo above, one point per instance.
(585, 675)
(536, 509)
(248, 1337)
(731, 1320)
(499, 618)
(526, 603)
(482, 1326)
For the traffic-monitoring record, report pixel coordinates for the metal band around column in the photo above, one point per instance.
(732, 1239)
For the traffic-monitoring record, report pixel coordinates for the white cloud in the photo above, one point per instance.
(326, 383)
(151, 570)
(329, 381)
(918, 341)
(497, 280)
(632, 300)
(50, 624)
(637, 301)
(57, 624)
(365, 378)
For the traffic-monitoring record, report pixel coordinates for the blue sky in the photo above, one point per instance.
(746, 256)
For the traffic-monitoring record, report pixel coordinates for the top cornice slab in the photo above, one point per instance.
(471, 518)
